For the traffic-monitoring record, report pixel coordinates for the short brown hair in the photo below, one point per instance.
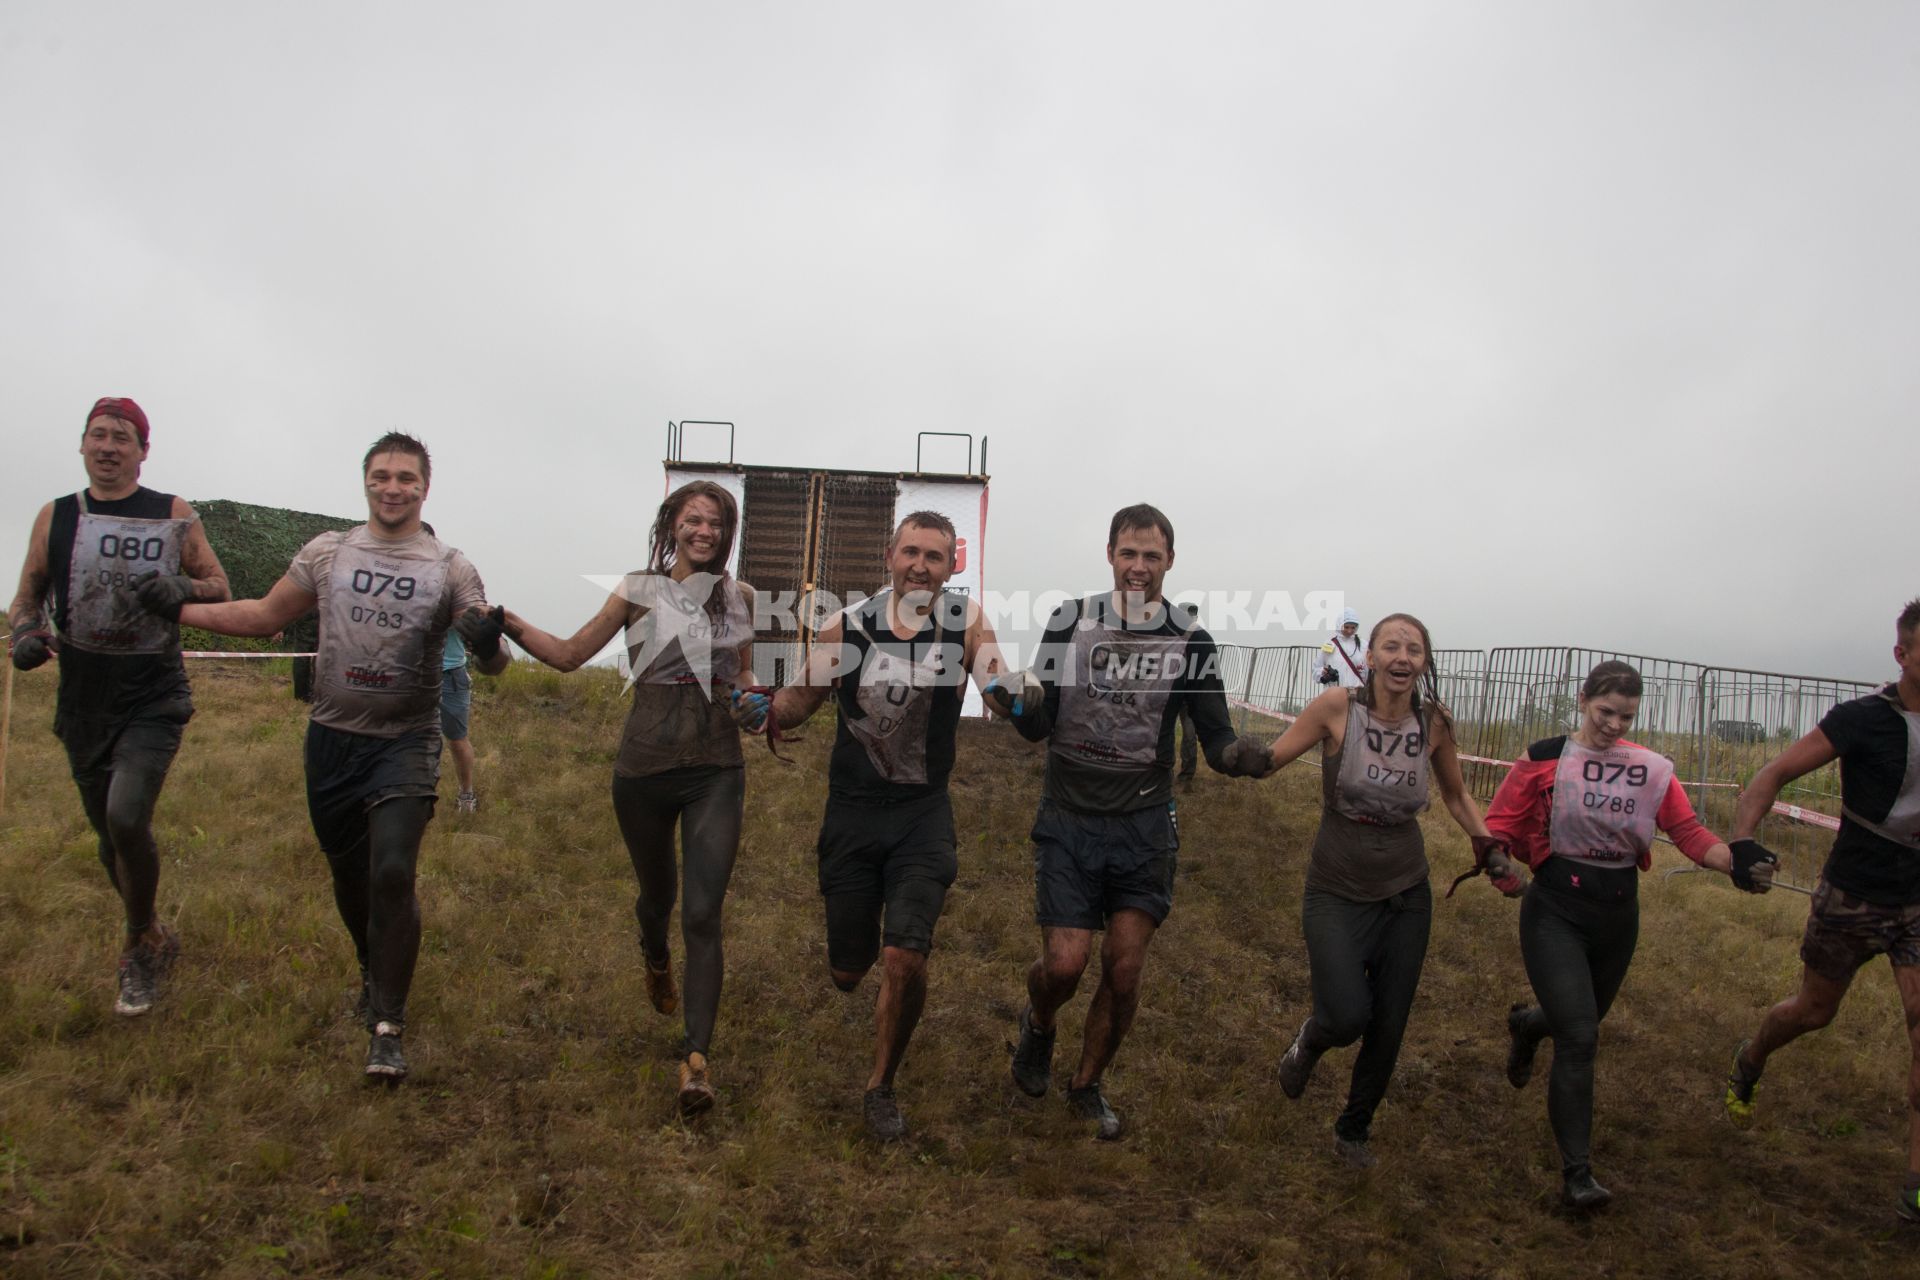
(399, 442)
(1909, 622)
(926, 520)
(1140, 515)
(1612, 676)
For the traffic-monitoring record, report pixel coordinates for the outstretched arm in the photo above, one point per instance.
(285, 603)
(1798, 760)
(198, 561)
(1453, 785)
(1314, 726)
(794, 704)
(573, 653)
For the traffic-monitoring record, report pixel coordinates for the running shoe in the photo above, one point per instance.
(142, 966)
(385, 1061)
(1088, 1103)
(696, 1091)
(466, 802)
(1296, 1064)
(1909, 1206)
(1354, 1152)
(1520, 1047)
(1579, 1191)
(1742, 1080)
(660, 990)
(884, 1121)
(1033, 1057)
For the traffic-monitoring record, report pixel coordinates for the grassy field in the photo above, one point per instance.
(230, 1134)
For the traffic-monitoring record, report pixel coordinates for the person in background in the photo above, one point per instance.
(1343, 657)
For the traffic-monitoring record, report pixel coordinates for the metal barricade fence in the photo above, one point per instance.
(1717, 724)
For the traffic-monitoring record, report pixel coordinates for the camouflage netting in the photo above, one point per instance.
(255, 545)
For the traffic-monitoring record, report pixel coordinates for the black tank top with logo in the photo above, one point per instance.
(96, 684)
(899, 703)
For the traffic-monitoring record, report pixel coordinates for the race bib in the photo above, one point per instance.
(1605, 803)
(1383, 768)
(379, 613)
(103, 615)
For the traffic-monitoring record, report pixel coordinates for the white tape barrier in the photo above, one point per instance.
(251, 653)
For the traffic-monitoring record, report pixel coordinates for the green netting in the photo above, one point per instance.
(255, 545)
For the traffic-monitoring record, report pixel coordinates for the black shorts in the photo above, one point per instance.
(349, 773)
(144, 740)
(896, 861)
(1086, 866)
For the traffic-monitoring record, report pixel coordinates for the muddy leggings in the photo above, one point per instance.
(1365, 960)
(1577, 935)
(373, 886)
(707, 802)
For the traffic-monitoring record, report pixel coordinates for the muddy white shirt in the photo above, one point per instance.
(385, 608)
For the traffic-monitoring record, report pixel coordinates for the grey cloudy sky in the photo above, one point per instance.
(1553, 323)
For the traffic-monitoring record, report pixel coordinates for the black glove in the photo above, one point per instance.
(31, 648)
(1248, 756)
(162, 593)
(1329, 676)
(1753, 865)
(1500, 866)
(481, 629)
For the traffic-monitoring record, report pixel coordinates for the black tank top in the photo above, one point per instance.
(105, 685)
(899, 703)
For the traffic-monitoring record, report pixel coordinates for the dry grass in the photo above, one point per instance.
(229, 1133)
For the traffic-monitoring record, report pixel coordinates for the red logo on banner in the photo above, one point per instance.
(959, 555)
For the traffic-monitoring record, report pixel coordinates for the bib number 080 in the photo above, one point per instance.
(115, 547)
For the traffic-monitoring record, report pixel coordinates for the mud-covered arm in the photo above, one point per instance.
(285, 604)
(29, 609)
(198, 560)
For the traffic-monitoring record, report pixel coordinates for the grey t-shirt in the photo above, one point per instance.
(385, 607)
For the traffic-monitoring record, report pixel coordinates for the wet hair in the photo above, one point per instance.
(399, 442)
(1139, 516)
(663, 553)
(1428, 682)
(1612, 676)
(1909, 622)
(926, 520)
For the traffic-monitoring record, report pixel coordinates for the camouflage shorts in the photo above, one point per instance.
(1844, 932)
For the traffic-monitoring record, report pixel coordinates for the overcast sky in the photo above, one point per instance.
(1584, 324)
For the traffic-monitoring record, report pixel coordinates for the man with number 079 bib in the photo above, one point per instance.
(97, 561)
(388, 592)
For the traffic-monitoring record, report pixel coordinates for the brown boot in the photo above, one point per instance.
(660, 989)
(696, 1091)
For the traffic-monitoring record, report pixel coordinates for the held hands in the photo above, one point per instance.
(1013, 693)
(481, 630)
(1248, 756)
(1753, 865)
(31, 648)
(162, 593)
(750, 710)
(1499, 865)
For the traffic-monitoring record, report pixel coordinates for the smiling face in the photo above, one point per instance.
(1397, 657)
(1140, 558)
(396, 489)
(919, 563)
(1606, 717)
(112, 452)
(699, 529)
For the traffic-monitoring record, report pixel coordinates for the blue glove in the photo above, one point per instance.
(1014, 693)
(750, 709)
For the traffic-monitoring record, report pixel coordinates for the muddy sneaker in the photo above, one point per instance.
(1033, 1057)
(1088, 1103)
(385, 1061)
(1579, 1191)
(696, 1091)
(661, 993)
(1354, 1152)
(1522, 1044)
(884, 1121)
(1296, 1064)
(1909, 1205)
(466, 802)
(1741, 1082)
(142, 966)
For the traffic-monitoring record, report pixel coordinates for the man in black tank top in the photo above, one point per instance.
(897, 667)
(1868, 900)
(1114, 674)
(97, 561)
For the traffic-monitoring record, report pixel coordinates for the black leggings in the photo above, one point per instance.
(707, 803)
(120, 808)
(373, 887)
(1577, 944)
(1365, 960)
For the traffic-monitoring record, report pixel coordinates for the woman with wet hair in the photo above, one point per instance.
(1368, 904)
(1582, 810)
(689, 636)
